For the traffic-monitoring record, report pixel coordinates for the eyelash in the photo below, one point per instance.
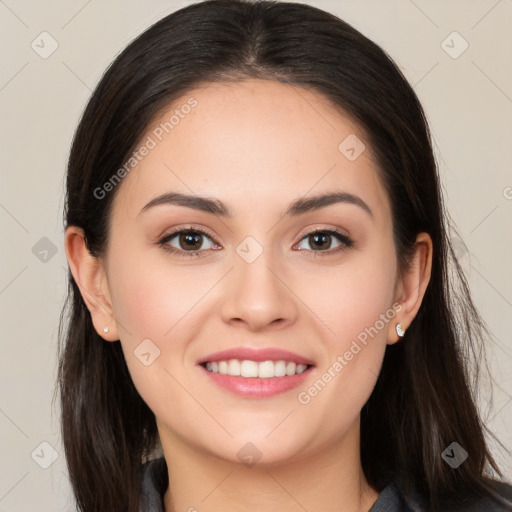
(346, 242)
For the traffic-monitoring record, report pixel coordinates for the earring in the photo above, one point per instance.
(399, 330)
(105, 330)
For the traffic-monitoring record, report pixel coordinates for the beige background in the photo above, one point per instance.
(468, 101)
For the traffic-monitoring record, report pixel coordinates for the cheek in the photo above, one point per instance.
(358, 312)
(350, 299)
(354, 304)
(156, 300)
(151, 295)
(365, 295)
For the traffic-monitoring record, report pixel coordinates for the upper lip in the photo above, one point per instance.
(256, 354)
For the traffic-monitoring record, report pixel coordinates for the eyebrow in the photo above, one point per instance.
(307, 204)
(204, 204)
(297, 207)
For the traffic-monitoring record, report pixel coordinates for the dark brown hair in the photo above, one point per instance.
(423, 400)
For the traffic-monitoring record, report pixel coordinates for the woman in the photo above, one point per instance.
(259, 280)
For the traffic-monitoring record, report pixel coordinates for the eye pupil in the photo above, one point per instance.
(191, 240)
(319, 240)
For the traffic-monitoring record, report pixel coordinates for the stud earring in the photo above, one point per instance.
(399, 330)
(105, 330)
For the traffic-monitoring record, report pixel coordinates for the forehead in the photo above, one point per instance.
(251, 143)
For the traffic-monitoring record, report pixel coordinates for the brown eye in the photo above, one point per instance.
(328, 241)
(190, 241)
(187, 241)
(320, 241)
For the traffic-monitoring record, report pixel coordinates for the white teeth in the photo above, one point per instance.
(280, 368)
(266, 369)
(249, 369)
(262, 370)
(290, 368)
(223, 367)
(301, 368)
(233, 367)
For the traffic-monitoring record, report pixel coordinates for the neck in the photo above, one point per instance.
(329, 479)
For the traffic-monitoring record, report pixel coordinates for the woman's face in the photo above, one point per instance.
(250, 276)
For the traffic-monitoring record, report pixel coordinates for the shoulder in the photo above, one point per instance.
(504, 493)
(391, 499)
(501, 503)
(154, 484)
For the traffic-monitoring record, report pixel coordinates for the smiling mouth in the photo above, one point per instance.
(254, 369)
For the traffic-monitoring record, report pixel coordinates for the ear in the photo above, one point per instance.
(90, 277)
(411, 286)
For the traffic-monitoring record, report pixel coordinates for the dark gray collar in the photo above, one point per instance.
(156, 480)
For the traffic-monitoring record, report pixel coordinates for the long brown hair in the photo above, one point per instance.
(423, 400)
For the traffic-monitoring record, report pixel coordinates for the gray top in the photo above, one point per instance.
(390, 499)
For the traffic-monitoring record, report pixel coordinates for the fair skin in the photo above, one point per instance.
(256, 146)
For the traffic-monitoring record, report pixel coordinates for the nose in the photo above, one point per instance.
(258, 297)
